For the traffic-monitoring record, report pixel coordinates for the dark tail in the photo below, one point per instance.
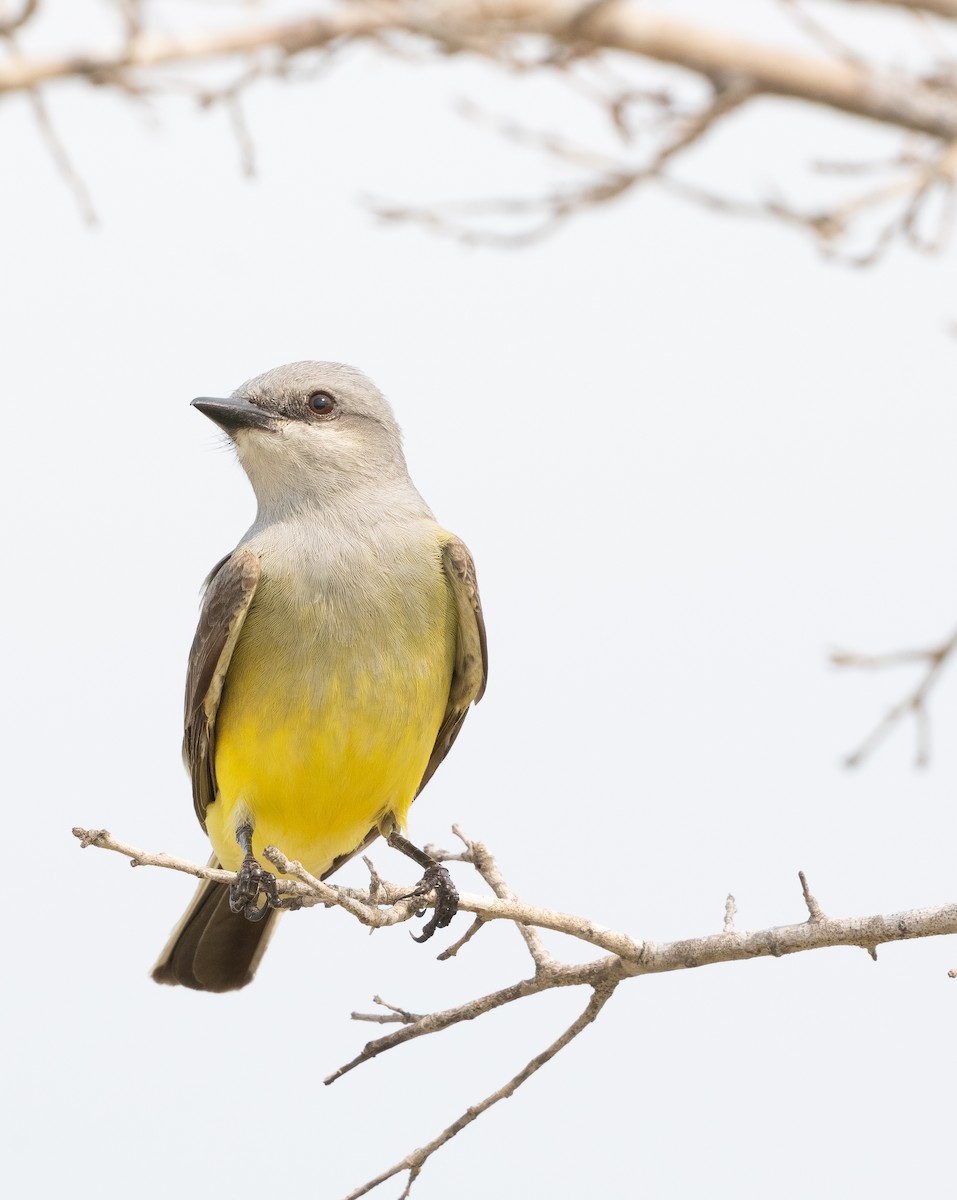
(213, 949)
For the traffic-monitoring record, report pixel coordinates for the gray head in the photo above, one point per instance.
(309, 431)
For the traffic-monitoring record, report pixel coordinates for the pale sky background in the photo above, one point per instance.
(688, 456)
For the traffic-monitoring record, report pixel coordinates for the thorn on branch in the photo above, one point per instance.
(813, 908)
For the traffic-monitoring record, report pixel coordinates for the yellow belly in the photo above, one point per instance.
(325, 730)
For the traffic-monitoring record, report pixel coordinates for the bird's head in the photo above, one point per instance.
(308, 432)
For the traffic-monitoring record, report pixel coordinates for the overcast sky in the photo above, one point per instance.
(688, 456)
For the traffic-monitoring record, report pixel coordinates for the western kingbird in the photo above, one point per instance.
(338, 650)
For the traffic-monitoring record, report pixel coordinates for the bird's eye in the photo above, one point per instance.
(322, 404)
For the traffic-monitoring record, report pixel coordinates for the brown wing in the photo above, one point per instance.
(229, 593)
(470, 672)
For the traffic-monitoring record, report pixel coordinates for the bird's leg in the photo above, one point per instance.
(437, 879)
(252, 882)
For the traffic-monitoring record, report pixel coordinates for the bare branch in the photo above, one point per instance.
(414, 1162)
(395, 1016)
(939, 8)
(602, 975)
(131, 12)
(556, 207)
(61, 158)
(565, 36)
(914, 703)
(602, 971)
(104, 840)
(466, 937)
(628, 956)
(821, 35)
(479, 855)
(488, 27)
(11, 24)
(392, 905)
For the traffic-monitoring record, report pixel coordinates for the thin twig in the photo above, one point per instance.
(484, 862)
(821, 35)
(394, 1016)
(567, 38)
(556, 207)
(914, 703)
(10, 25)
(414, 1162)
(61, 158)
(470, 933)
(601, 971)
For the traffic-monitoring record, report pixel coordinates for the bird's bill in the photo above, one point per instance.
(235, 413)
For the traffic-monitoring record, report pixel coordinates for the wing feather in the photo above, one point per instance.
(470, 672)
(229, 594)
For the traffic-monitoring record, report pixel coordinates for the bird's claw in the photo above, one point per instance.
(251, 883)
(437, 879)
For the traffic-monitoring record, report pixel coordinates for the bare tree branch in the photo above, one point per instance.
(558, 206)
(635, 958)
(61, 158)
(560, 36)
(886, 96)
(9, 25)
(939, 8)
(381, 905)
(414, 1162)
(935, 659)
(479, 855)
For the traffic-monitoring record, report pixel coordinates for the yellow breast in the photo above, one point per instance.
(330, 710)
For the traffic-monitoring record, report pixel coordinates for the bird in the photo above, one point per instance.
(338, 650)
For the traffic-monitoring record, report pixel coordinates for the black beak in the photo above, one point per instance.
(233, 414)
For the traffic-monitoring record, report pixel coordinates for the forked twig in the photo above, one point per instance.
(414, 1162)
(914, 703)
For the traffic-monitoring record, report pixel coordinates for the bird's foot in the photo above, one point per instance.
(255, 891)
(437, 879)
